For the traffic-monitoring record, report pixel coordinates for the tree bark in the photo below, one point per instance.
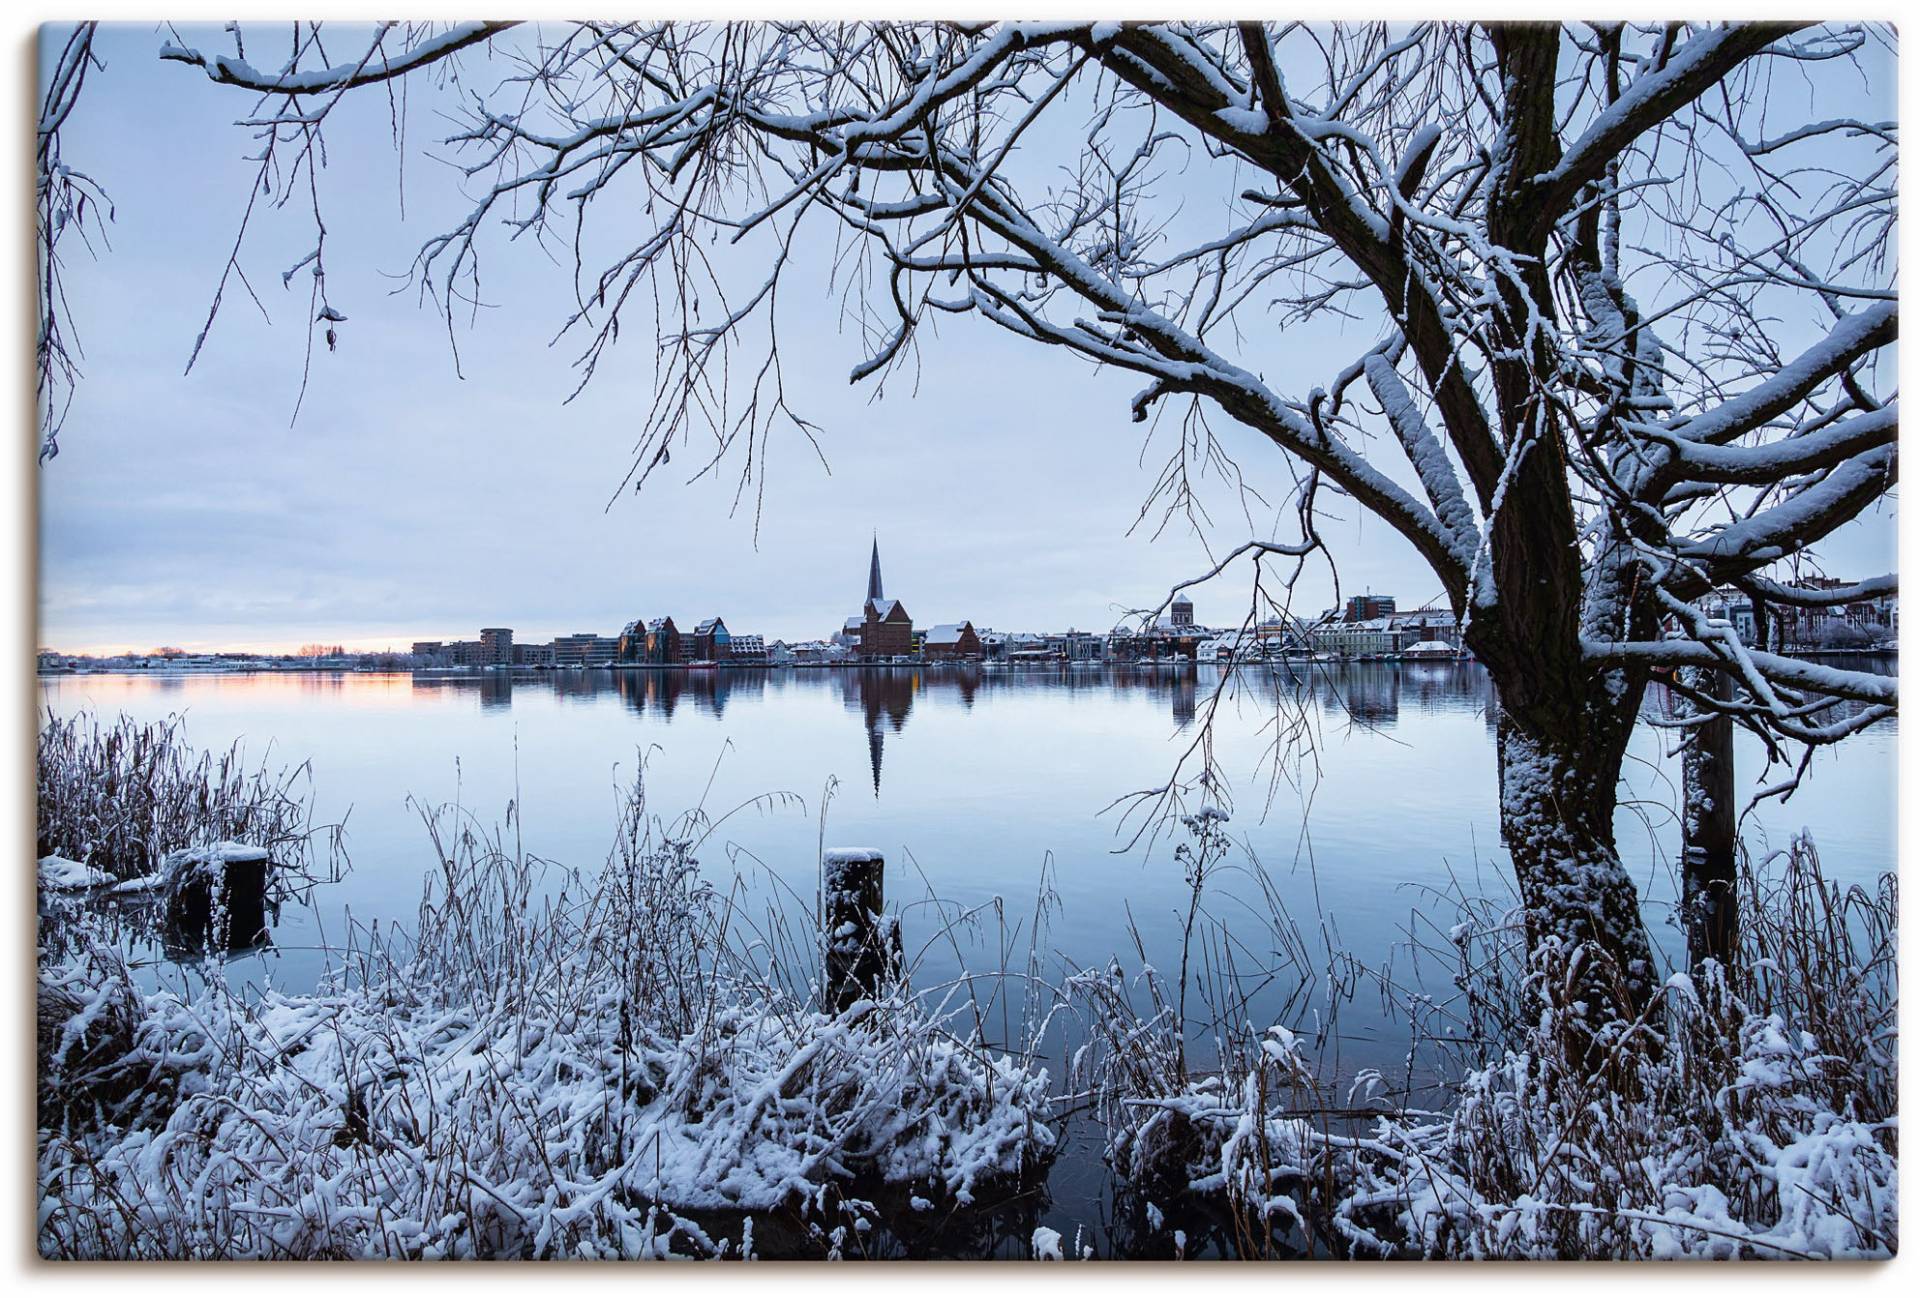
(1709, 838)
(1559, 786)
(1561, 738)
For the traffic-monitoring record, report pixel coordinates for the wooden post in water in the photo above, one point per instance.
(227, 879)
(1709, 871)
(862, 942)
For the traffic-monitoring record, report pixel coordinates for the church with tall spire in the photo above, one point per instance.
(886, 630)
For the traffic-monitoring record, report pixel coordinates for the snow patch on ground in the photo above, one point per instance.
(60, 874)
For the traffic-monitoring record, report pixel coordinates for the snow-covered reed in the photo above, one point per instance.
(556, 1063)
(1752, 1113)
(119, 796)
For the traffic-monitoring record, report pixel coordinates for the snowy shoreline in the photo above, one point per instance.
(621, 1062)
(566, 1065)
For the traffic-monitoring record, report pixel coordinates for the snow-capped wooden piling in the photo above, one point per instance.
(862, 941)
(217, 896)
(1708, 832)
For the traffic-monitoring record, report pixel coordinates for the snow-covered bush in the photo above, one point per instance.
(556, 1064)
(1752, 1113)
(88, 1017)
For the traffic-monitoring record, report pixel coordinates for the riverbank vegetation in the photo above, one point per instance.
(636, 1060)
(553, 1063)
(1751, 1112)
(118, 796)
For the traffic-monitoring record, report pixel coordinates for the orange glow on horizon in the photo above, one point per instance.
(352, 644)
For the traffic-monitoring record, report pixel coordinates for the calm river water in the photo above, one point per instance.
(974, 783)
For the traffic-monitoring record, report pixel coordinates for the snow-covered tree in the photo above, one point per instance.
(1627, 296)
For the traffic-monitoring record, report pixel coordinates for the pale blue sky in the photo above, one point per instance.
(407, 502)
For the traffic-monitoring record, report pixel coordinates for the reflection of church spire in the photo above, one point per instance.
(873, 573)
(884, 698)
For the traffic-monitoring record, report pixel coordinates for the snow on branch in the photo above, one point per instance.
(1804, 517)
(1789, 457)
(230, 71)
(1650, 99)
(1428, 457)
(1864, 331)
(1833, 682)
(1821, 597)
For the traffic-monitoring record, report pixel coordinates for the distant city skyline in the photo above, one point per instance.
(400, 641)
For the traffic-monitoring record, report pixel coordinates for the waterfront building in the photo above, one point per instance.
(633, 642)
(1180, 614)
(533, 655)
(585, 649)
(657, 641)
(1425, 624)
(428, 648)
(496, 646)
(817, 653)
(886, 629)
(1368, 608)
(1851, 624)
(709, 641)
(950, 641)
(1163, 640)
(1228, 647)
(665, 645)
(748, 650)
(1734, 608)
(1126, 643)
(1282, 635)
(1085, 647)
(1354, 639)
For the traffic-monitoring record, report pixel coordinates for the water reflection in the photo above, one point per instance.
(883, 698)
(184, 925)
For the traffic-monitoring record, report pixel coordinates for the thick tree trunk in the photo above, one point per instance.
(1558, 791)
(1563, 734)
(1564, 723)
